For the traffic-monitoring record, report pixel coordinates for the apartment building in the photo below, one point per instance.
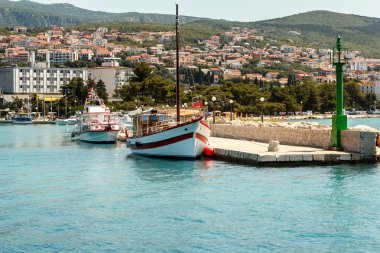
(16, 80)
(15, 55)
(113, 77)
(63, 55)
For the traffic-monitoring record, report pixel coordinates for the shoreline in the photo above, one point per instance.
(267, 118)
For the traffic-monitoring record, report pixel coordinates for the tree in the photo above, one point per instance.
(353, 96)
(16, 105)
(91, 83)
(75, 92)
(142, 71)
(261, 84)
(307, 92)
(327, 95)
(369, 101)
(284, 96)
(313, 101)
(101, 90)
(152, 90)
(291, 80)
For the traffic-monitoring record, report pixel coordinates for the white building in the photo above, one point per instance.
(63, 55)
(102, 30)
(368, 87)
(358, 63)
(15, 80)
(100, 42)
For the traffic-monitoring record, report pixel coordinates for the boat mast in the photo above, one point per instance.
(177, 63)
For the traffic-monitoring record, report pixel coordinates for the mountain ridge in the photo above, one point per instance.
(43, 15)
(317, 28)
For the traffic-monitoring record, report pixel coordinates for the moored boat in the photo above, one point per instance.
(156, 135)
(22, 118)
(96, 124)
(63, 122)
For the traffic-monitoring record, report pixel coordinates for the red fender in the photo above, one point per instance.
(209, 151)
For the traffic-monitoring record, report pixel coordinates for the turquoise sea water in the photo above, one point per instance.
(372, 122)
(62, 196)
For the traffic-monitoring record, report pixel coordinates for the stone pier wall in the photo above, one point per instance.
(319, 138)
(363, 143)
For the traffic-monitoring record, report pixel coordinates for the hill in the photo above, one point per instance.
(318, 29)
(32, 14)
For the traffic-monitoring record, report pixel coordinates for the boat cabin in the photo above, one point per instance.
(150, 123)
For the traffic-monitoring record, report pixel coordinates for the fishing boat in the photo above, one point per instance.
(156, 134)
(22, 118)
(96, 124)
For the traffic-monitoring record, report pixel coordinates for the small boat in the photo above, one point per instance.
(125, 122)
(64, 122)
(96, 124)
(155, 134)
(22, 118)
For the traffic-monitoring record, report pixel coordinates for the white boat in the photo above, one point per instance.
(22, 118)
(96, 124)
(63, 122)
(125, 120)
(155, 134)
(125, 123)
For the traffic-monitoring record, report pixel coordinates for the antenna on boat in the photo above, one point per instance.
(177, 63)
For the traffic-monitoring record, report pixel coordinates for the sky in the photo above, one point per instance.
(238, 10)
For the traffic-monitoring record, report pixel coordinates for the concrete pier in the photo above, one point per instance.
(303, 145)
(251, 152)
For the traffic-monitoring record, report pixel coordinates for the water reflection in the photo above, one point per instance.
(206, 164)
(345, 197)
(341, 172)
(161, 170)
(84, 145)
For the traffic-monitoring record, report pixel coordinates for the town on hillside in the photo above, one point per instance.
(42, 63)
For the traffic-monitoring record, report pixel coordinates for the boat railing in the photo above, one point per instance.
(155, 127)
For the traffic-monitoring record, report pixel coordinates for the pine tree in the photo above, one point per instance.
(90, 83)
(101, 90)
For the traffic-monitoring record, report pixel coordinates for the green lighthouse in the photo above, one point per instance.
(339, 57)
